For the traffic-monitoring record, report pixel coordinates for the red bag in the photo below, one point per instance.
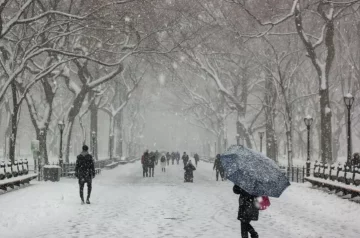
(262, 203)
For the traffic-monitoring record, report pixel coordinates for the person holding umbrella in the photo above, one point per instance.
(255, 177)
(247, 212)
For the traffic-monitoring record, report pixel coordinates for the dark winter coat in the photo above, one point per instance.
(218, 165)
(356, 159)
(247, 209)
(185, 158)
(146, 159)
(189, 169)
(163, 159)
(151, 162)
(85, 168)
(196, 157)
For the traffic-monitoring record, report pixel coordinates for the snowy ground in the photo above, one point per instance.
(126, 205)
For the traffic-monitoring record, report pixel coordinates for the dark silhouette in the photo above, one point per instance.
(185, 159)
(168, 157)
(151, 164)
(247, 212)
(356, 160)
(163, 163)
(177, 157)
(189, 172)
(145, 162)
(219, 168)
(173, 157)
(197, 158)
(85, 172)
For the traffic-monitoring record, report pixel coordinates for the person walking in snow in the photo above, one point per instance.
(356, 160)
(168, 157)
(177, 157)
(145, 162)
(157, 157)
(151, 164)
(219, 168)
(247, 212)
(189, 172)
(185, 159)
(163, 163)
(173, 157)
(85, 172)
(197, 158)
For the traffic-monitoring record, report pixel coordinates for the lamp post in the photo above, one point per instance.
(93, 136)
(237, 139)
(349, 100)
(61, 126)
(308, 121)
(261, 134)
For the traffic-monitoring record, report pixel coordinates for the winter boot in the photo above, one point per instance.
(87, 201)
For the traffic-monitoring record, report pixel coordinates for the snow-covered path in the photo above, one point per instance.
(126, 205)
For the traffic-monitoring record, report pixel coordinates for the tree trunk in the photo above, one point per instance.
(14, 123)
(74, 111)
(68, 134)
(119, 134)
(270, 134)
(326, 131)
(94, 125)
(242, 131)
(41, 136)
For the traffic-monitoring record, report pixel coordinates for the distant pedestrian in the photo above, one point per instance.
(185, 159)
(85, 172)
(151, 164)
(173, 157)
(356, 160)
(168, 158)
(145, 161)
(177, 157)
(247, 212)
(163, 163)
(189, 172)
(157, 157)
(197, 159)
(219, 168)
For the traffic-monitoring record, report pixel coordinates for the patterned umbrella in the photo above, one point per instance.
(254, 172)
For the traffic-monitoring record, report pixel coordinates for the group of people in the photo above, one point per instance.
(85, 172)
(150, 159)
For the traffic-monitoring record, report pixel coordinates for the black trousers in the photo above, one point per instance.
(221, 172)
(89, 186)
(151, 171)
(246, 228)
(145, 171)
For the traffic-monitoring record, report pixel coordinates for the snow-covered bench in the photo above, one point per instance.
(345, 189)
(340, 179)
(16, 174)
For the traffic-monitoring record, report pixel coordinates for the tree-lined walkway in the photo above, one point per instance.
(126, 205)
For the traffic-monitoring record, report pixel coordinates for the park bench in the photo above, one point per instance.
(16, 174)
(341, 180)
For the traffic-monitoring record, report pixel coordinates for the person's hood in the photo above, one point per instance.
(84, 154)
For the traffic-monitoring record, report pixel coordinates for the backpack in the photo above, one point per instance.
(262, 203)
